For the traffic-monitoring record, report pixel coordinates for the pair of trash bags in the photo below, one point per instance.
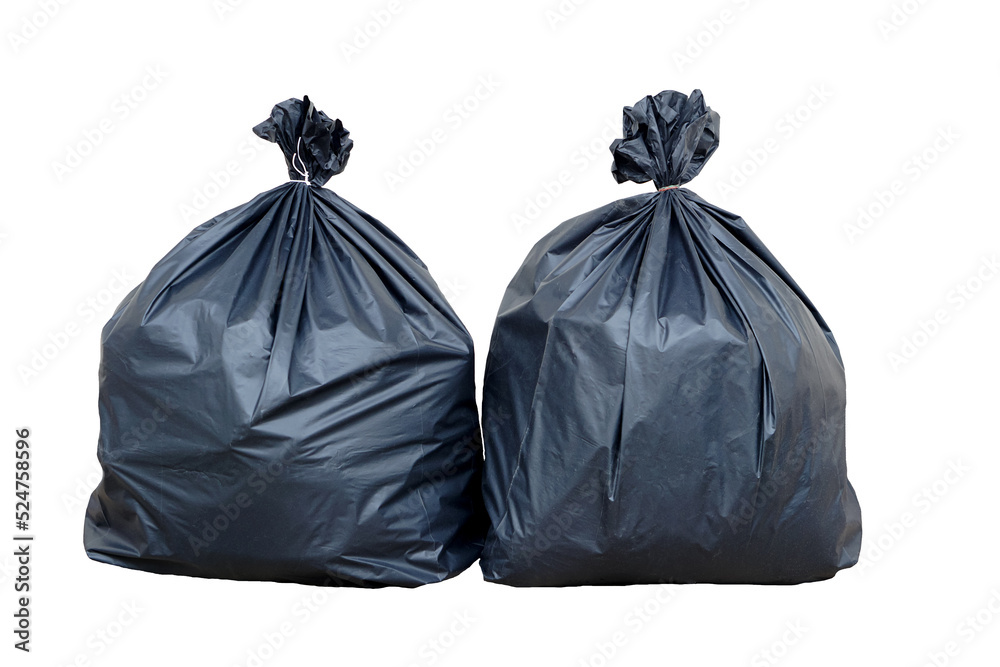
(288, 395)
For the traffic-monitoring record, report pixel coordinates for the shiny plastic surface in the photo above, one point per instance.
(288, 396)
(662, 403)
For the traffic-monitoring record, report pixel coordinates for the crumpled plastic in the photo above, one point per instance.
(662, 402)
(288, 396)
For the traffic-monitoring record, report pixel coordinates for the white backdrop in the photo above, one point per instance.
(858, 141)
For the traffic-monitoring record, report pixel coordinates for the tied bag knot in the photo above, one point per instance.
(667, 138)
(316, 146)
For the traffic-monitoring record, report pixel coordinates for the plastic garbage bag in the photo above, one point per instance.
(662, 403)
(288, 396)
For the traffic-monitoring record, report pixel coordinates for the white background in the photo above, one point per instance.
(886, 94)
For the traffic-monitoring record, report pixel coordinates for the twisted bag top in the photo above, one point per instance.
(668, 139)
(662, 402)
(288, 396)
(315, 146)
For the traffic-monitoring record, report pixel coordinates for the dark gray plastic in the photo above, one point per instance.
(288, 396)
(662, 403)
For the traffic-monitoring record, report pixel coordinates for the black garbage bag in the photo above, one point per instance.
(662, 403)
(289, 397)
